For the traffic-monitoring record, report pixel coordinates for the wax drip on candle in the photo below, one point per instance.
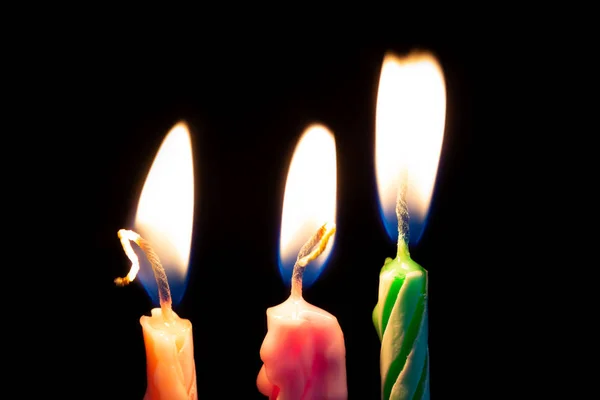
(164, 293)
(402, 215)
(311, 250)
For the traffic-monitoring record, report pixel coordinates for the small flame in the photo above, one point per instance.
(165, 212)
(411, 111)
(309, 201)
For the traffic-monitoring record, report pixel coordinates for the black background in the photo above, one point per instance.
(247, 105)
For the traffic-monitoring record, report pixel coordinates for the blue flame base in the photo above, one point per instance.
(311, 273)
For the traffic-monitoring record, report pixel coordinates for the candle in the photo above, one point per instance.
(409, 131)
(303, 352)
(164, 217)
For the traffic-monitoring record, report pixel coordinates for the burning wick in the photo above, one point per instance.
(311, 250)
(164, 293)
(402, 214)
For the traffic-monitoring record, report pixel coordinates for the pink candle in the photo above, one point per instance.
(303, 352)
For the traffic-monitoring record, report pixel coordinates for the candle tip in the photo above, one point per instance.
(122, 281)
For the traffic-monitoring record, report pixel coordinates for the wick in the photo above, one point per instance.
(402, 215)
(311, 250)
(164, 293)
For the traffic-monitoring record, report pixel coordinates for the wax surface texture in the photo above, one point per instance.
(169, 358)
(303, 353)
(400, 318)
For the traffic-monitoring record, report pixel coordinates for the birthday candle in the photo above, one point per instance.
(164, 222)
(303, 351)
(168, 338)
(409, 131)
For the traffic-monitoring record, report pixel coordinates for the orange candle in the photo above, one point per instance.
(164, 217)
(168, 338)
(169, 357)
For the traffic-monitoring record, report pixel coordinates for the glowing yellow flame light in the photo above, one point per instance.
(309, 200)
(165, 211)
(411, 109)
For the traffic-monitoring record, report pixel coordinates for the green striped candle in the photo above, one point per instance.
(400, 318)
(410, 118)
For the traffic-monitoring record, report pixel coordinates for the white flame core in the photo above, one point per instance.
(165, 211)
(410, 118)
(310, 194)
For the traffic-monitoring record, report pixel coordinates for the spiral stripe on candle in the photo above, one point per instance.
(401, 322)
(416, 370)
(386, 282)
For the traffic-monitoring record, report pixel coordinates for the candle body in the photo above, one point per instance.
(400, 318)
(303, 353)
(169, 358)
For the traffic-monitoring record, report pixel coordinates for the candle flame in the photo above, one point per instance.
(309, 201)
(410, 118)
(165, 212)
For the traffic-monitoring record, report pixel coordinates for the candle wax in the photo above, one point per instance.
(169, 357)
(400, 318)
(303, 353)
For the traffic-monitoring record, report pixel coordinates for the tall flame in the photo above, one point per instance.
(410, 118)
(309, 200)
(165, 212)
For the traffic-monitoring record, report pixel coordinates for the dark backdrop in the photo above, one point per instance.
(247, 106)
